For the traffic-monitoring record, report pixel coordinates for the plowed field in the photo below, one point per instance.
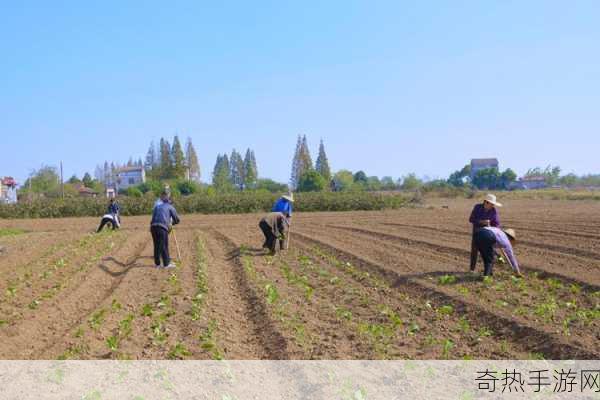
(359, 285)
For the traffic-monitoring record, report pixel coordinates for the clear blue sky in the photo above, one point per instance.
(392, 87)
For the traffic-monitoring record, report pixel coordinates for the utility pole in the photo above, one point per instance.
(62, 182)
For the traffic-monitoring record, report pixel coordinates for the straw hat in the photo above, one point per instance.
(289, 197)
(511, 233)
(490, 198)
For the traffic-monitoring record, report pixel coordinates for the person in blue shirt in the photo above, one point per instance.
(284, 205)
(163, 217)
(114, 209)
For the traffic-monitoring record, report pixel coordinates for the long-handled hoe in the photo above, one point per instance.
(176, 244)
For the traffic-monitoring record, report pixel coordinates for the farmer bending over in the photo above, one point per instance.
(163, 217)
(483, 214)
(487, 239)
(274, 226)
(109, 219)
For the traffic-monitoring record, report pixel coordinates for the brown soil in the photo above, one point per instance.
(354, 285)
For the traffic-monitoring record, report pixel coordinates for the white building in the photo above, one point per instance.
(130, 176)
(8, 190)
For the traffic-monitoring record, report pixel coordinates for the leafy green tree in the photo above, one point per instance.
(178, 159)
(44, 181)
(236, 170)
(507, 178)
(311, 181)
(271, 186)
(488, 178)
(187, 188)
(411, 182)
(343, 180)
(459, 178)
(191, 159)
(569, 180)
(360, 177)
(322, 164)
(74, 180)
(87, 180)
(373, 184)
(387, 183)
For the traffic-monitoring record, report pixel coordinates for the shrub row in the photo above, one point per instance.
(234, 203)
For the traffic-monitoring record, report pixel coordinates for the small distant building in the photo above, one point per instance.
(530, 183)
(8, 190)
(111, 192)
(130, 176)
(478, 164)
(84, 191)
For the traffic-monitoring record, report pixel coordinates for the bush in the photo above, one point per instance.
(206, 202)
(133, 192)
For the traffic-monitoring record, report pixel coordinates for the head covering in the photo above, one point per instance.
(289, 197)
(511, 233)
(490, 198)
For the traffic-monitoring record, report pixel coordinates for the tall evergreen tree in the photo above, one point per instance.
(179, 167)
(165, 166)
(322, 165)
(236, 170)
(221, 171)
(192, 163)
(250, 172)
(302, 161)
(295, 164)
(107, 180)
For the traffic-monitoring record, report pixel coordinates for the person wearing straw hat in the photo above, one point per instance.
(284, 205)
(484, 214)
(488, 239)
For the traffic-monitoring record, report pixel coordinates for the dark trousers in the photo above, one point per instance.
(270, 239)
(484, 241)
(160, 237)
(474, 249)
(106, 221)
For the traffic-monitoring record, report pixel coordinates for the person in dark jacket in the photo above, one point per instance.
(114, 209)
(164, 216)
(483, 215)
(274, 226)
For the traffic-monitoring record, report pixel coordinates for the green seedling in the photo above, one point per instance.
(178, 352)
(208, 343)
(446, 310)
(447, 279)
(34, 304)
(484, 332)
(11, 291)
(463, 290)
(463, 324)
(97, 319)
(115, 305)
(343, 313)
(125, 326)
(271, 293)
(147, 310)
(79, 332)
(413, 328)
(113, 343)
(447, 347)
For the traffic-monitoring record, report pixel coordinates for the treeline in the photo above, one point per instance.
(207, 202)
